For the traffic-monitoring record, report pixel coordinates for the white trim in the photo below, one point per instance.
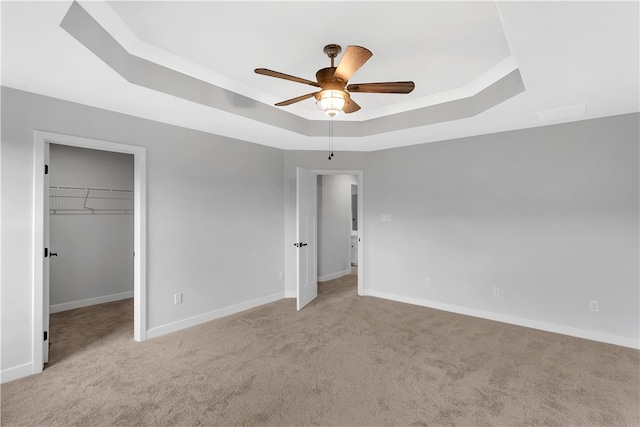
(140, 245)
(291, 294)
(37, 286)
(57, 308)
(334, 275)
(139, 240)
(212, 315)
(513, 320)
(16, 372)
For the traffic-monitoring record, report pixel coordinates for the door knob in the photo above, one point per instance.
(299, 245)
(53, 254)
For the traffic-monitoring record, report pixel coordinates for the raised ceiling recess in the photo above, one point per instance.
(499, 83)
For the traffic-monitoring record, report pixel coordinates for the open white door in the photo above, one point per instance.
(306, 224)
(47, 258)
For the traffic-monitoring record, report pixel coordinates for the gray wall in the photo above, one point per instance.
(207, 196)
(95, 251)
(549, 215)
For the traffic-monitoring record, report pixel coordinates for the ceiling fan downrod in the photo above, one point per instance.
(331, 138)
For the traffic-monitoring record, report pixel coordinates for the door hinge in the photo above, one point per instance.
(46, 335)
(46, 169)
(46, 252)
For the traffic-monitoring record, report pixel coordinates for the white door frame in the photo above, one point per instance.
(360, 174)
(139, 229)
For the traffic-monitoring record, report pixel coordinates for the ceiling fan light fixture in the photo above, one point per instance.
(334, 95)
(331, 101)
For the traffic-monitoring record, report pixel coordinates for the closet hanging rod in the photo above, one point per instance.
(67, 187)
(73, 199)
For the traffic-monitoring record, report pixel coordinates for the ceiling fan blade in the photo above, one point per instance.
(387, 87)
(351, 107)
(271, 73)
(296, 99)
(354, 58)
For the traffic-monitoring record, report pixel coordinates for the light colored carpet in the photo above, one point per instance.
(343, 360)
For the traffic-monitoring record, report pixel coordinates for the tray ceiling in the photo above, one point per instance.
(479, 67)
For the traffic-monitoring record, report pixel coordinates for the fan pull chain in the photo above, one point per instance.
(331, 138)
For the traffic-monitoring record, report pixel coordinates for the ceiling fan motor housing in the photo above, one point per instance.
(327, 81)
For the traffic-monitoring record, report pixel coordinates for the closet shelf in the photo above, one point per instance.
(89, 200)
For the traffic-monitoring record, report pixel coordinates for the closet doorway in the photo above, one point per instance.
(100, 200)
(91, 244)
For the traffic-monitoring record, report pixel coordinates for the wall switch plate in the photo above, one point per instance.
(496, 291)
(281, 275)
(427, 282)
(177, 298)
(594, 306)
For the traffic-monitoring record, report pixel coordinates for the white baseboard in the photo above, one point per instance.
(16, 372)
(291, 294)
(535, 324)
(56, 308)
(212, 315)
(334, 275)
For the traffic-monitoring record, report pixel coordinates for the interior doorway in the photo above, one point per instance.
(306, 230)
(41, 264)
(91, 227)
(358, 237)
(337, 226)
(91, 238)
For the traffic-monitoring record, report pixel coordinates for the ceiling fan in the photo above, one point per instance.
(334, 94)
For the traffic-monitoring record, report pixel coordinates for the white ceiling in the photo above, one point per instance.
(577, 60)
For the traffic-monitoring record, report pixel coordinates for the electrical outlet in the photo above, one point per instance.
(177, 298)
(594, 306)
(385, 217)
(427, 282)
(496, 291)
